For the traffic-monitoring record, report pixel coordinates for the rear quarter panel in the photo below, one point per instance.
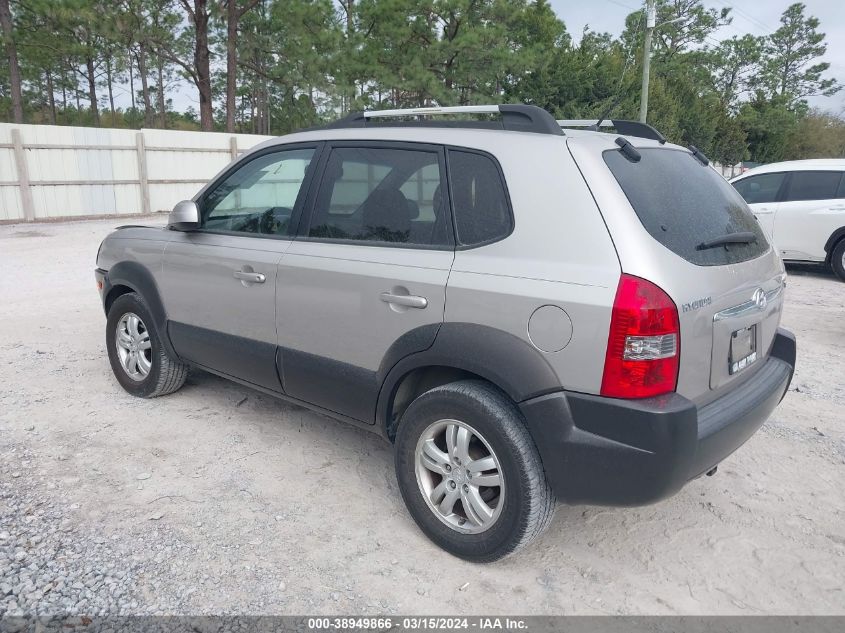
(559, 254)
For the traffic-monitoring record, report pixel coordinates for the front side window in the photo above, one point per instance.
(482, 212)
(370, 194)
(259, 197)
(760, 189)
(813, 185)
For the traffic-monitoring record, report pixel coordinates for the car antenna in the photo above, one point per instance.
(616, 98)
(607, 112)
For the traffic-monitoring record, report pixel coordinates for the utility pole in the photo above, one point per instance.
(649, 29)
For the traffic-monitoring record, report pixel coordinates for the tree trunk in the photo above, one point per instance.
(51, 100)
(43, 105)
(145, 89)
(266, 109)
(162, 114)
(92, 89)
(350, 16)
(260, 110)
(350, 29)
(202, 63)
(252, 117)
(12, 57)
(109, 84)
(131, 79)
(242, 117)
(784, 78)
(232, 18)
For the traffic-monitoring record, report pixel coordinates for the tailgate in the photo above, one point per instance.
(728, 327)
(743, 333)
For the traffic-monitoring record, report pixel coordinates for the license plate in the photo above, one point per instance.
(743, 349)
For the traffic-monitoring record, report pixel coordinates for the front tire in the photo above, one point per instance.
(469, 472)
(837, 259)
(139, 361)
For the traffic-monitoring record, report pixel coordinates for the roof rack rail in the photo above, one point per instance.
(593, 123)
(514, 117)
(626, 128)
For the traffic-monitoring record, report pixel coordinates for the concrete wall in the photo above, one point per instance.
(50, 172)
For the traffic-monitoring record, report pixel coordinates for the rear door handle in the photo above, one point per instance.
(408, 301)
(253, 278)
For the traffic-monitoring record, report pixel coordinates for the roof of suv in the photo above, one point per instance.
(817, 164)
(466, 137)
(523, 120)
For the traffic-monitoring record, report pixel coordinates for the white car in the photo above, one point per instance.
(801, 206)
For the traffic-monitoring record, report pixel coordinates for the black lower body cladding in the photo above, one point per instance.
(607, 451)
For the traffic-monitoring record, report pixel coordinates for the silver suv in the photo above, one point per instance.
(527, 313)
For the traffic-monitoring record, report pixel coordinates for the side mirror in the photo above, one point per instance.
(184, 217)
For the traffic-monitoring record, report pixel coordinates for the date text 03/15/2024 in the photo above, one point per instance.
(418, 623)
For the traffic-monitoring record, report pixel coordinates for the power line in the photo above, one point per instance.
(625, 6)
(767, 30)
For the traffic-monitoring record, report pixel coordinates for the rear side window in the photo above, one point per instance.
(479, 199)
(375, 194)
(760, 189)
(813, 185)
(683, 203)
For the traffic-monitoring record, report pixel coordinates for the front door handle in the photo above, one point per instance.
(250, 277)
(408, 301)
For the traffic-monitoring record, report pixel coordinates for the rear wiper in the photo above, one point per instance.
(742, 237)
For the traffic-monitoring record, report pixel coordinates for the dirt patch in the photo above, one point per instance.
(30, 234)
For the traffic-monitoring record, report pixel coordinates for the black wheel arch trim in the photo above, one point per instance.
(505, 360)
(139, 278)
(833, 240)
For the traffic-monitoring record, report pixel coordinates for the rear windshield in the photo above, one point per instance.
(683, 203)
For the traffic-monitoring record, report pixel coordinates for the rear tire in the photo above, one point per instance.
(479, 522)
(139, 361)
(837, 259)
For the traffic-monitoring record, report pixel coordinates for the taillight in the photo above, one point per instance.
(643, 347)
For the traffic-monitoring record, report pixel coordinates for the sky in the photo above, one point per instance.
(759, 17)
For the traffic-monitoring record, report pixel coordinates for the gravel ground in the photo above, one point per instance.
(220, 500)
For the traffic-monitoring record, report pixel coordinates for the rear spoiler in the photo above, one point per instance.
(626, 128)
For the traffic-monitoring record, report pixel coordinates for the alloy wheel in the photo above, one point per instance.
(459, 476)
(134, 349)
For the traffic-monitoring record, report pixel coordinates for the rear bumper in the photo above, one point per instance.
(633, 452)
